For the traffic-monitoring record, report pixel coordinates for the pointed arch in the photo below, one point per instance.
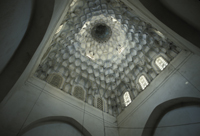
(63, 119)
(55, 80)
(79, 92)
(162, 109)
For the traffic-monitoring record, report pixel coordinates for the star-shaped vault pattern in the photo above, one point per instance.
(104, 70)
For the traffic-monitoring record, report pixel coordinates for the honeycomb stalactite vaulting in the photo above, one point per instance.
(107, 60)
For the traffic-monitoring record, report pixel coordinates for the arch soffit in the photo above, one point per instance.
(163, 108)
(63, 119)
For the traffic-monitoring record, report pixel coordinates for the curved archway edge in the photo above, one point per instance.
(63, 119)
(161, 109)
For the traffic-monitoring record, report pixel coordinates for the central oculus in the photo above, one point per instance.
(101, 32)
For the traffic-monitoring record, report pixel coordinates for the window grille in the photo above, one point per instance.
(79, 92)
(56, 81)
(99, 103)
(161, 63)
(127, 98)
(143, 82)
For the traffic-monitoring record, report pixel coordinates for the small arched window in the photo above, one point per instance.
(127, 98)
(56, 81)
(143, 82)
(99, 103)
(79, 92)
(161, 63)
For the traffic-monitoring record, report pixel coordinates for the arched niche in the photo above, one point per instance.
(79, 92)
(55, 80)
(100, 103)
(164, 108)
(59, 123)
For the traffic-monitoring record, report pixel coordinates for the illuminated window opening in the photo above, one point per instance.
(127, 98)
(58, 30)
(143, 82)
(120, 50)
(73, 2)
(90, 56)
(161, 63)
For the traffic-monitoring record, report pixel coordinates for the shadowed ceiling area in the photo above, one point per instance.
(15, 16)
(182, 16)
(39, 21)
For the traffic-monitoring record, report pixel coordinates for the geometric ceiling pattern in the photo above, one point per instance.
(100, 51)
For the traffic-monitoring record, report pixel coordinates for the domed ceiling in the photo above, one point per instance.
(100, 51)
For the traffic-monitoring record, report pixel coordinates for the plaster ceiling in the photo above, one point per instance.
(100, 70)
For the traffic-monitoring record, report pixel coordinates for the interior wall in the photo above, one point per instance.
(179, 15)
(40, 18)
(188, 10)
(187, 114)
(31, 99)
(180, 79)
(53, 129)
(15, 16)
(36, 100)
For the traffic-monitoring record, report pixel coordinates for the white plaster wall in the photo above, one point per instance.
(37, 100)
(53, 129)
(15, 16)
(180, 79)
(181, 115)
(32, 99)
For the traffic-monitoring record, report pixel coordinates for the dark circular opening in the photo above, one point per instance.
(101, 32)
